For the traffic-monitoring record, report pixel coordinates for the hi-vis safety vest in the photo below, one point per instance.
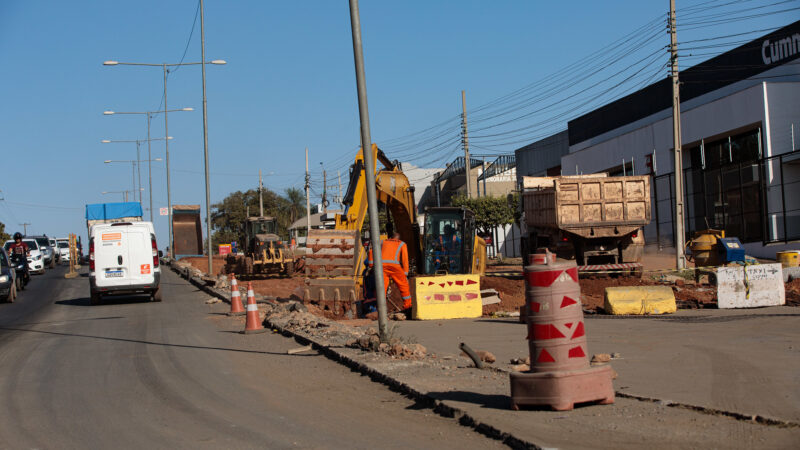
(393, 251)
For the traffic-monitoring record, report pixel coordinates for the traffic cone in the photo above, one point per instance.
(236, 298)
(253, 325)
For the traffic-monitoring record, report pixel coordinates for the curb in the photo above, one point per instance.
(438, 406)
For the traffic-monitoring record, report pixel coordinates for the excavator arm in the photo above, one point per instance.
(336, 259)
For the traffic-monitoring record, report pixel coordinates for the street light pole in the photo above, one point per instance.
(150, 169)
(205, 133)
(366, 150)
(166, 148)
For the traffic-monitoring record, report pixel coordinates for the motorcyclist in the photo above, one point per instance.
(19, 252)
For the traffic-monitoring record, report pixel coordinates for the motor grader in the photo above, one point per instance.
(263, 250)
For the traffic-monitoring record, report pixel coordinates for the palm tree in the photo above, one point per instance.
(296, 199)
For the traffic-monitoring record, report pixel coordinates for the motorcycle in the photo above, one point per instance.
(20, 264)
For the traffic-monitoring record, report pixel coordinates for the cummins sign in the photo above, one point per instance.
(775, 51)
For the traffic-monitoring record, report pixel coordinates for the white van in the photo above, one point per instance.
(123, 260)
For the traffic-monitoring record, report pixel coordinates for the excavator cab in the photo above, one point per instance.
(448, 242)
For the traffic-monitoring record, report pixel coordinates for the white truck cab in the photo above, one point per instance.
(123, 260)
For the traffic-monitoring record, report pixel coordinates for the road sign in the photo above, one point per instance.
(163, 211)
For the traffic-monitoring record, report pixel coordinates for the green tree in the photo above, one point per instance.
(228, 216)
(3, 235)
(491, 212)
(297, 200)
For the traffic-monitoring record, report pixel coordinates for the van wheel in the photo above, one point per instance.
(157, 295)
(95, 298)
(52, 263)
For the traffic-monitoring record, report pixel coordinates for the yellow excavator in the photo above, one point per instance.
(335, 259)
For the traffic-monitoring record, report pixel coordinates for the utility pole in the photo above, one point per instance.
(369, 169)
(324, 192)
(24, 228)
(260, 196)
(205, 135)
(680, 255)
(171, 236)
(308, 201)
(466, 142)
(339, 176)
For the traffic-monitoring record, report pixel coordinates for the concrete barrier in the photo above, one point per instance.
(639, 300)
(750, 286)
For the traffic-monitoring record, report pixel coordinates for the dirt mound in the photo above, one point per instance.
(201, 263)
(511, 292)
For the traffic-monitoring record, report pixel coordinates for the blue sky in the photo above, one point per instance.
(289, 84)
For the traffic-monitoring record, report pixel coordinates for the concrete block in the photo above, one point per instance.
(639, 300)
(750, 286)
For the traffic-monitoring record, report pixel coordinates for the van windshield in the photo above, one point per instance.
(44, 242)
(31, 244)
(63, 245)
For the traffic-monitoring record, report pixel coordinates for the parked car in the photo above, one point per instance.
(124, 260)
(62, 247)
(35, 258)
(8, 278)
(48, 251)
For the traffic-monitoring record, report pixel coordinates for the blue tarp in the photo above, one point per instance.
(104, 211)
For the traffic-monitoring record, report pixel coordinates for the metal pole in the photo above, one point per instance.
(125, 196)
(166, 145)
(308, 201)
(484, 176)
(260, 196)
(205, 132)
(339, 176)
(149, 168)
(324, 191)
(466, 142)
(133, 178)
(138, 170)
(366, 147)
(680, 256)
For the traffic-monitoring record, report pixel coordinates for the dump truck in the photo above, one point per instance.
(187, 231)
(594, 218)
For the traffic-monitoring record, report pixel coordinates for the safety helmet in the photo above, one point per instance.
(17, 235)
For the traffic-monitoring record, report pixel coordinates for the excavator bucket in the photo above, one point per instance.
(333, 260)
(446, 297)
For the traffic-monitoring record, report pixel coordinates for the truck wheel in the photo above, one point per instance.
(94, 298)
(248, 265)
(157, 295)
(52, 263)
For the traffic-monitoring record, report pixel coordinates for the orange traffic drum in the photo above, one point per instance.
(552, 289)
(556, 336)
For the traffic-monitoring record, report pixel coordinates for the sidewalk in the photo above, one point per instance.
(696, 379)
(741, 361)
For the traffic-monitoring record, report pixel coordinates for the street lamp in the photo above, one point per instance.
(133, 167)
(149, 169)
(164, 69)
(149, 175)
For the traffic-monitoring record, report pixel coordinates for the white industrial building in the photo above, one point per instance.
(740, 119)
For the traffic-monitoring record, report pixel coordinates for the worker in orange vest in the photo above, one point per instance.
(394, 256)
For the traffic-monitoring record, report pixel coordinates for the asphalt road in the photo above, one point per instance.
(134, 374)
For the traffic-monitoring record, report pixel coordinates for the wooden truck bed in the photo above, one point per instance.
(590, 206)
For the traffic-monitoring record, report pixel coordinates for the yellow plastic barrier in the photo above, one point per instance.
(640, 300)
(446, 297)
